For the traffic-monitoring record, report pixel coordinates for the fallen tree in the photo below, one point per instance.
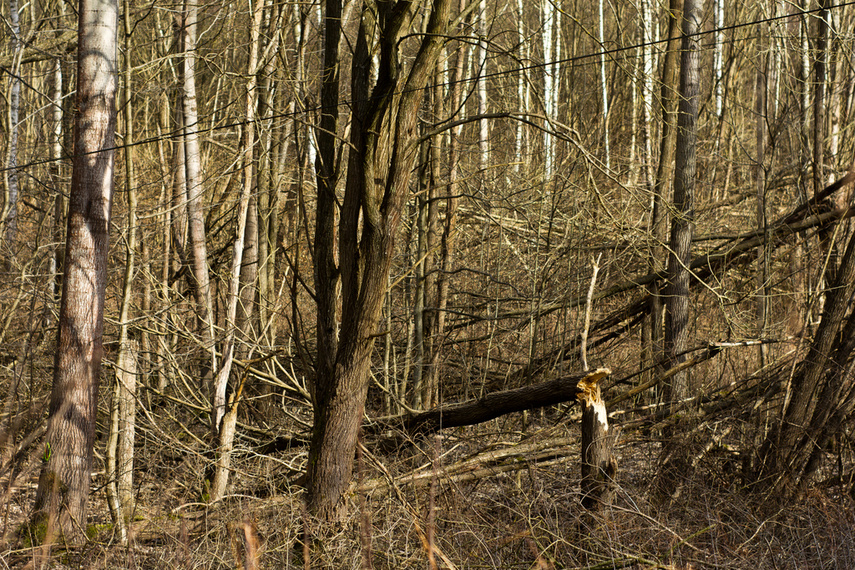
(496, 404)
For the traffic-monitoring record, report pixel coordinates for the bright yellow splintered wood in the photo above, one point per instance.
(589, 389)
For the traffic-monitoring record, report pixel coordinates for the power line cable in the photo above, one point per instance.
(573, 59)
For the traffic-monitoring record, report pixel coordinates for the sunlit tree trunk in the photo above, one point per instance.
(449, 232)
(718, 55)
(483, 124)
(604, 88)
(10, 204)
(225, 413)
(549, 20)
(56, 174)
(193, 180)
(64, 482)
(120, 451)
(664, 174)
(819, 97)
(523, 93)
(268, 188)
(761, 276)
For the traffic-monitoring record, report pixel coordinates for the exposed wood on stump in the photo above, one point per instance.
(598, 464)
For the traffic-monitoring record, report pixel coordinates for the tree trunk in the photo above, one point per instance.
(762, 273)
(56, 174)
(124, 392)
(599, 466)
(682, 223)
(604, 88)
(64, 482)
(225, 417)
(550, 83)
(497, 404)
(818, 396)
(379, 169)
(448, 239)
(193, 177)
(120, 445)
(819, 98)
(10, 204)
(664, 174)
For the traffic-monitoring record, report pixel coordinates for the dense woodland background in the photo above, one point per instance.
(546, 151)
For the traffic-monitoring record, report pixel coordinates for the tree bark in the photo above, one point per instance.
(225, 416)
(819, 394)
(124, 390)
(682, 223)
(448, 239)
(10, 203)
(193, 178)
(64, 482)
(379, 170)
(599, 466)
(664, 174)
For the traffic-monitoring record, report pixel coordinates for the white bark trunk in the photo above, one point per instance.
(604, 88)
(10, 206)
(193, 178)
(225, 419)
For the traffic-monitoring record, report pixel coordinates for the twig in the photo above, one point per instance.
(588, 303)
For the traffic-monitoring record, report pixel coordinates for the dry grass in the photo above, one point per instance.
(526, 517)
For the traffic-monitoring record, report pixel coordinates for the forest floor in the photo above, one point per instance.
(482, 497)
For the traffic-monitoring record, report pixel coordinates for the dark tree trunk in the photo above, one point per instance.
(64, 482)
(498, 404)
(664, 174)
(682, 222)
(383, 136)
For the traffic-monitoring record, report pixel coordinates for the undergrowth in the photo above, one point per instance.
(521, 515)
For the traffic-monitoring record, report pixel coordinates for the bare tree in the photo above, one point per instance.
(64, 482)
(193, 178)
(682, 223)
(9, 215)
(384, 141)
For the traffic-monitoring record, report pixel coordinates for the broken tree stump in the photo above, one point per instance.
(598, 463)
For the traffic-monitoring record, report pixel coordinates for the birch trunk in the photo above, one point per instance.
(63, 487)
(10, 205)
(225, 417)
(193, 179)
(604, 88)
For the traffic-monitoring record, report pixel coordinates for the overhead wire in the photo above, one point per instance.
(534, 66)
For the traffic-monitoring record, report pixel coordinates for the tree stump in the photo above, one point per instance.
(598, 463)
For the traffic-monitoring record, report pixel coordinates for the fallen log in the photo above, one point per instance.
(497, 404)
